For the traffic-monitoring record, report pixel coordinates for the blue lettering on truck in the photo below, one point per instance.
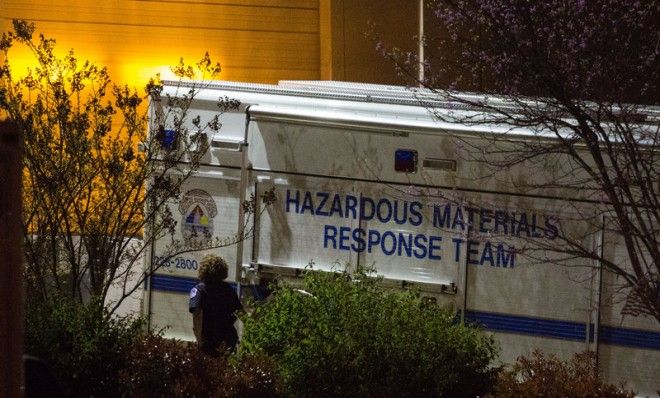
(406, 243)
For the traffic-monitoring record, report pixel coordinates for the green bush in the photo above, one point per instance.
(92, 354)
(160, 367)
(547, 376)
(349, 336)
(85, 348)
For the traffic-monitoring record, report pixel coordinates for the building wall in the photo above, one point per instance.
(254, 40)
(350, 30)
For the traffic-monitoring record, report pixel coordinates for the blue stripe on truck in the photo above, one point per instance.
(176, 284)
(525, 325)
(630, 337)
(540, 327)
(564, 329)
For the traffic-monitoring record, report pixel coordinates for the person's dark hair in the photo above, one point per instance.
(212, 268)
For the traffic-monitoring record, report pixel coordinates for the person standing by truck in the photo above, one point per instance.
(214, 303)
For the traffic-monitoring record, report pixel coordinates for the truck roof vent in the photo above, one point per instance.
(226, 144)
(439, 164)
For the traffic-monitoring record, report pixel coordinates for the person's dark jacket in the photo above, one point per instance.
(216, 303)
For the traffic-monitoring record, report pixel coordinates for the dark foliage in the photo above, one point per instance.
(169, 368)
(547, 376)
(84, 349)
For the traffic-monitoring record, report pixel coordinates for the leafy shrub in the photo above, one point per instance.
(169, 368)
(84, 347)
(547, 376)
(345, 336)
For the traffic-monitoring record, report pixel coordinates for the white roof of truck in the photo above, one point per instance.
(373, 105)
(345, 91)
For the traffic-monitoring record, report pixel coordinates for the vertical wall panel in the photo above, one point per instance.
(350, 30)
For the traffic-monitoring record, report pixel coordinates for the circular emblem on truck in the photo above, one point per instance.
(198, 209)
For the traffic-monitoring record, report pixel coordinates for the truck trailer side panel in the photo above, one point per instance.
(367, 177)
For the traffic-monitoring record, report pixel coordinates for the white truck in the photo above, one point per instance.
(366, 175)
